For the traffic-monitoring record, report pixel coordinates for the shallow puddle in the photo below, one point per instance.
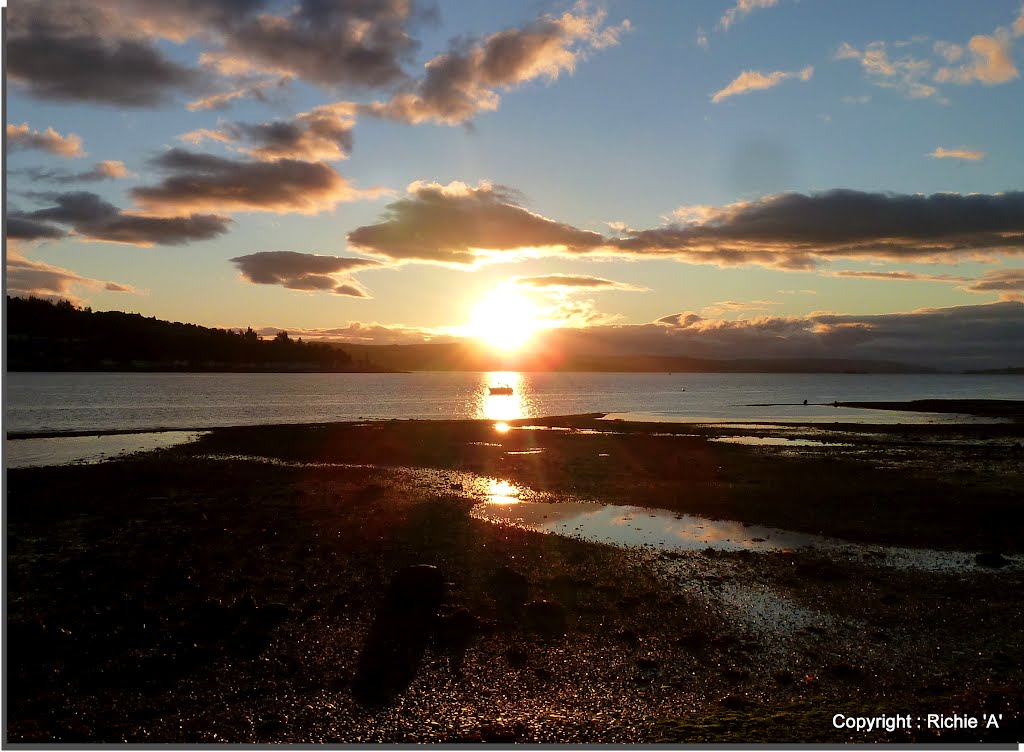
(639, 527)
(656, 530)
(87, 450)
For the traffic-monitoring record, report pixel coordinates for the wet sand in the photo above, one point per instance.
(261, 585)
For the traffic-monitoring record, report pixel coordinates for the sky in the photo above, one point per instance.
(728, 178)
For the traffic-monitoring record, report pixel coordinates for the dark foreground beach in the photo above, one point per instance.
(331, 583)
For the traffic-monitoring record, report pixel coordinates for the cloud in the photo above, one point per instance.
(464, 81)
(326, 43)
(94, 219)
(457, 224)
(702, 39)
(27, 278)
(324, 133)
(905, 74)
(19, 227)
(109, 169)
(23, 137)
(203, 182)
(304, 271)
(976, 336)
(898, 275)
(963, 152)
(262, 90)
(734, 305)
(365, 333)
(796, 231)
(741, 9)
(990, 62)
(461, 225)
(75, 51)
(750, 80)
(1009, 282)
(567, 282)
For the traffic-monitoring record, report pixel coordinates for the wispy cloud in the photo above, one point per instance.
(906, 74)
(741, 9)
(1008, 282)
(109, 169)
(23, 137)
(904, 276)
(974, 155)
(574, 282)
(751, 80)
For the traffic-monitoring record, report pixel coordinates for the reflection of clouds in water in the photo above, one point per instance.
(636, 526)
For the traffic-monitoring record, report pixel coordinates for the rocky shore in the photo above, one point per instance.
(288, 584)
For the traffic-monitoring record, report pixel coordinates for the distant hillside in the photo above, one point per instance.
(471, 357)
(45, 336)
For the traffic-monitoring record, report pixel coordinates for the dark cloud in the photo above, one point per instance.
(574, 281)
(83, 52)
(28, 278)
(203, 182)
(322, 133)
(1010, 282)
(795, 231)
(456, 224)
(356, 42)
(95, 219)
(304, 271)
(110, 169)
(20, 227)
(464, 81)
(461, 225)
(23, 137)
(979, 336)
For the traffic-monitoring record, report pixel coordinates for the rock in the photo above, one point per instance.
(547, 618)
(509, 586)
(991, 559)
(516, 657)
(420, 587)
(628, 636)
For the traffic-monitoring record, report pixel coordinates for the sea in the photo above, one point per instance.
(48, 403)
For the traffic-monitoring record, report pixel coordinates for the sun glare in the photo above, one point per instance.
(504, 320)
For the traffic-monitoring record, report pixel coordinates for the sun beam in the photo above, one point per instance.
(504, 320)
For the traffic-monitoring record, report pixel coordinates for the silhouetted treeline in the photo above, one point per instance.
(46, 336)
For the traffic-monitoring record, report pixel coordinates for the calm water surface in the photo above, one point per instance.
(65, 402)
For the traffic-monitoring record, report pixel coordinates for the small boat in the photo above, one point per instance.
(500, 390)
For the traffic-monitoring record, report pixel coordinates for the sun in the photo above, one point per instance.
(504, 320)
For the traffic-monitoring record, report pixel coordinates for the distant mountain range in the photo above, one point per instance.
(47, 336)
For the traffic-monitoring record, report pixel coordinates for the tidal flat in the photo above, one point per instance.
(339, 583)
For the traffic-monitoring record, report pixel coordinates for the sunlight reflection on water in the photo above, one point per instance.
(503, 407)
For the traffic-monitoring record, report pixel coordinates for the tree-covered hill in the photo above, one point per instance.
(48, 336)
